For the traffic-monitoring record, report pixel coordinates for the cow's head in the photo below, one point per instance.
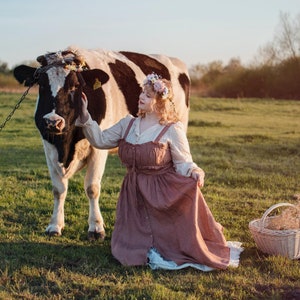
(62, 77)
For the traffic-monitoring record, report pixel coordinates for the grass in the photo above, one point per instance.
(249, 149)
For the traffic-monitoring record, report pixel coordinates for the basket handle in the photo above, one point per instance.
(269, 210)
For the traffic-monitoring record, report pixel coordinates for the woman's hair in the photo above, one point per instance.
(164, 104)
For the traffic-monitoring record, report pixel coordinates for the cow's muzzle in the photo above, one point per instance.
(55, 124)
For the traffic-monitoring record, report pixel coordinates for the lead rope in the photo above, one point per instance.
(15, 108)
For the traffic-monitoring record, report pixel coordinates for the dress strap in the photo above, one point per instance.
(163, 131)
(128, 128)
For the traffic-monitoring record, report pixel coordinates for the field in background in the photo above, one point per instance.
(249, 149)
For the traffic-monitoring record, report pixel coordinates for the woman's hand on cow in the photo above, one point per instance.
(198, 175)
(84, 114)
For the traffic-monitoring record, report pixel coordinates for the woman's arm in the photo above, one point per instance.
(181, 155)
(106, 139)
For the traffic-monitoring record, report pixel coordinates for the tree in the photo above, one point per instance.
(4, 67)
(207, 73)
(286, 41)
(288, 38)
(233, 65)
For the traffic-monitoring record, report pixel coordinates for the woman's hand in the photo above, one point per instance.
(198, 174)
(84, 114)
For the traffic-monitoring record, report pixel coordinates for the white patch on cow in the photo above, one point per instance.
(57, 77)
(56, 168)
(54, 57)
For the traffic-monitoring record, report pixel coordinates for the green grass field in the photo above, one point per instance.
(250, 151)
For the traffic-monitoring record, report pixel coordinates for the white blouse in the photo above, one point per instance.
(175, 137)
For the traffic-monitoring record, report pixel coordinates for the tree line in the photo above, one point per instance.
(275, 72)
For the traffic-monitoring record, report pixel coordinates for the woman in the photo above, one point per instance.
(162, 218)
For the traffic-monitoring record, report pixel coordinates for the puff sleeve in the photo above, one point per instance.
(180, 151)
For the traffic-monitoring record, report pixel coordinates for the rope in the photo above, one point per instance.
(15, 108)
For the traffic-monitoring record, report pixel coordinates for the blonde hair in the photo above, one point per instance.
(164, 105)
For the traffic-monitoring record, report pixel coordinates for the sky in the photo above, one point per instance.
(196, 31)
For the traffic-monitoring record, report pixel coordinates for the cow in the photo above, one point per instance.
(112, 82)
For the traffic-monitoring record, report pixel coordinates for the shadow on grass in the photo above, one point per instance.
(86, 258)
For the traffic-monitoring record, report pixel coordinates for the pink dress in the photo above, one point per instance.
(159, 208)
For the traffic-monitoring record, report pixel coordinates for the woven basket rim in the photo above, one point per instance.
(261, 222)
(255, 226)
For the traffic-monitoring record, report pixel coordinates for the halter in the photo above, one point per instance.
(66, 65)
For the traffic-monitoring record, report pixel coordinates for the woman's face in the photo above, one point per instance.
(147, 99)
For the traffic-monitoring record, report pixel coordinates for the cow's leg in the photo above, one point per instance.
(92, 186)
(59, 189)
(57, 222)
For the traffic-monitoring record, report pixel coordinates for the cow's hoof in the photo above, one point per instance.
(52, 233)
(93, 236)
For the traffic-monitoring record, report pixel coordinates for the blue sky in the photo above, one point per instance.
(196, 31)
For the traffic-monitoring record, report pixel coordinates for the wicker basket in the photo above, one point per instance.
(276, 242)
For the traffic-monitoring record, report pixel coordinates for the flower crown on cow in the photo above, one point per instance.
(158, 85)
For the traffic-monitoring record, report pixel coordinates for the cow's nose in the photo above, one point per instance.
(54, 124)
(54, 121)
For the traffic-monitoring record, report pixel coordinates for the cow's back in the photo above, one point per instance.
(127, 71)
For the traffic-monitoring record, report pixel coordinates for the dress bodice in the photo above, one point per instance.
(147, 157)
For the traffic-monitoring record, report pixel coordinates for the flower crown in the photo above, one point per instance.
(158, 85)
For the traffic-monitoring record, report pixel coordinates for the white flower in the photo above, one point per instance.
(158, 85)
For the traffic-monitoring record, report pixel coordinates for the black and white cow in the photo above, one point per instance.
(112, 82)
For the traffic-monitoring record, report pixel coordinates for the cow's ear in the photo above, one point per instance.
(24, 74)
(95, 78)
(42, 60)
